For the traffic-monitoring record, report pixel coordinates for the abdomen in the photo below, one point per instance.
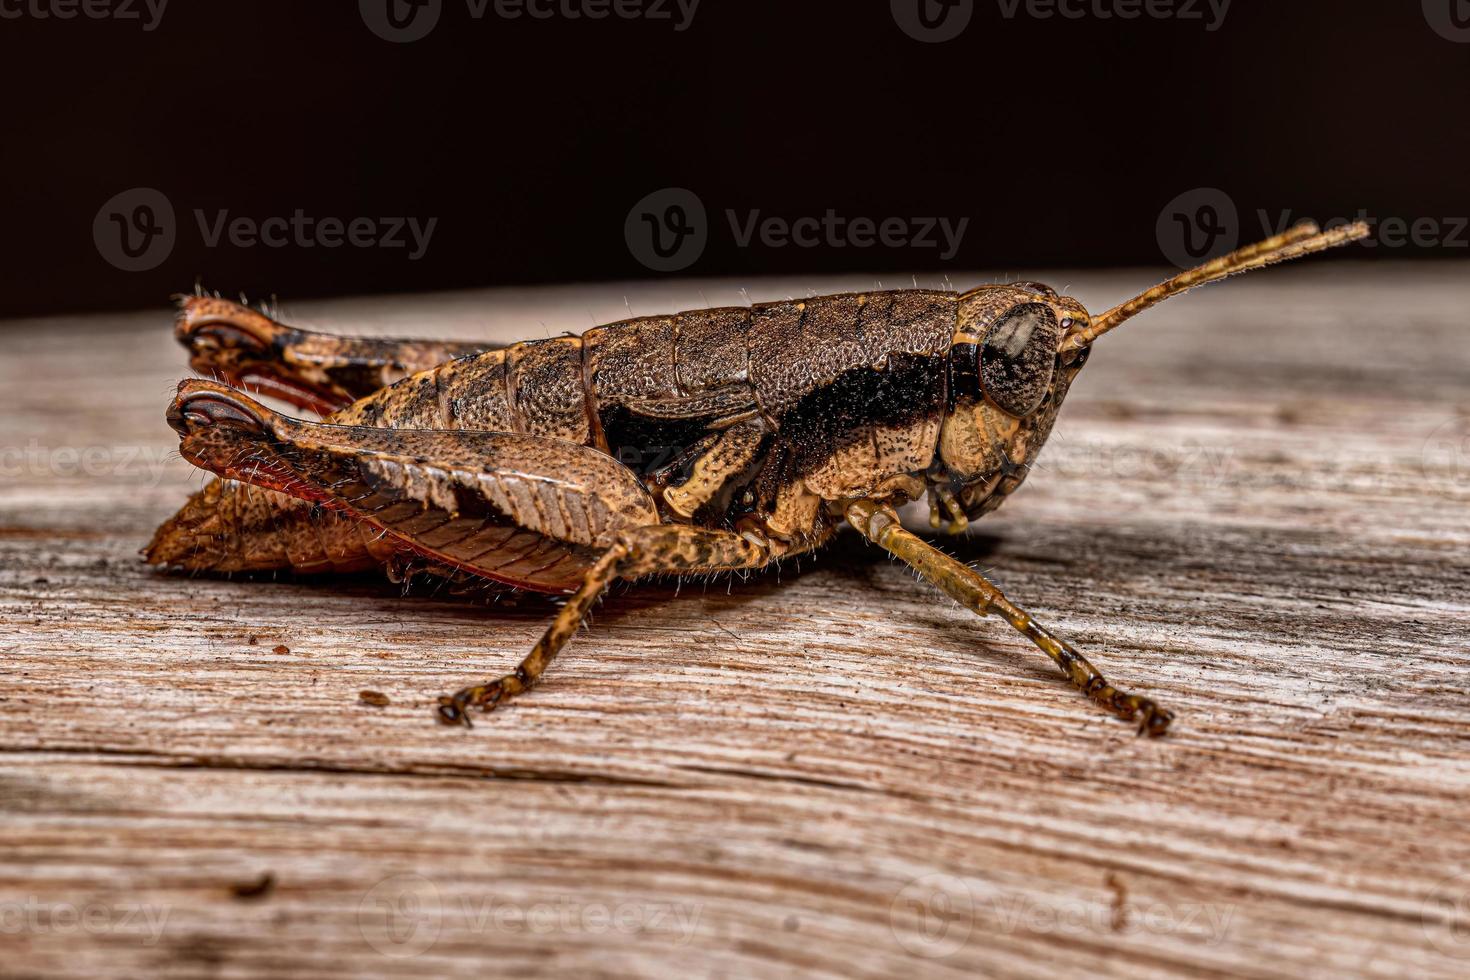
(725, 413)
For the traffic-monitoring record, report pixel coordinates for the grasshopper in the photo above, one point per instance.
(710, 441)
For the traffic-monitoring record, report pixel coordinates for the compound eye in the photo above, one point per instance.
(1019, 357)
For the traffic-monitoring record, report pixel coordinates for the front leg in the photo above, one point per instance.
(974, 591)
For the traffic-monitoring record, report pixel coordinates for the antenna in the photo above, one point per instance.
(1301, 239)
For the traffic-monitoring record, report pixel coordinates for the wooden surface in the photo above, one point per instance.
(1254, 508)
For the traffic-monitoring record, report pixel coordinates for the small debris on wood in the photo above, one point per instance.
(253, 890)
(280, 649)
(375, 698)
(1118, 919)
(253, 640)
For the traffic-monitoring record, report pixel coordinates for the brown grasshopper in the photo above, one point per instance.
(530, 465)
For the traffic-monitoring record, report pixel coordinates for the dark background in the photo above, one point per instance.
(530, 140)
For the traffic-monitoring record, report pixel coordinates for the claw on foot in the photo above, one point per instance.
(1153, 720)
(455, 709)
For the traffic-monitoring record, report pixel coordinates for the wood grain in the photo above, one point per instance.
(1254, 508)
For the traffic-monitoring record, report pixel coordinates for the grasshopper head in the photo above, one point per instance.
(1015, 352)
(1008, 374)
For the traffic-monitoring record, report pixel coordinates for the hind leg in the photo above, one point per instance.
(660, 549)
(310, 370)
(530, 512)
